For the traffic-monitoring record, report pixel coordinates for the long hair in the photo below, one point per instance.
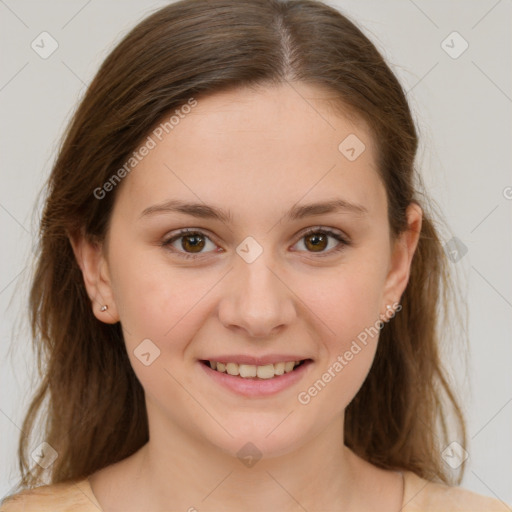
(90, 400)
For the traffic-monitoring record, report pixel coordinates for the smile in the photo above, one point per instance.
(255, 381)
(250, 371)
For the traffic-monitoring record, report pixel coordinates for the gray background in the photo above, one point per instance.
(462, 108)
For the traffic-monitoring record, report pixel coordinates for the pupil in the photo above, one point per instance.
(319, 241)
(196, 244)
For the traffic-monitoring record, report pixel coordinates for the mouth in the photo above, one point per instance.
(272, 376)
(255, 372)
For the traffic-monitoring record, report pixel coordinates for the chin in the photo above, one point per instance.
(255, 439)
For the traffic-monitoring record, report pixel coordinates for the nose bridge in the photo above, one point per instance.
(256, 299)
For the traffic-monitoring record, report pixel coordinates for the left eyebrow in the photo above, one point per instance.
(204, 211)
(332, 206)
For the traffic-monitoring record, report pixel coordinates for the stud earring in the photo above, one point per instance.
(103, 308)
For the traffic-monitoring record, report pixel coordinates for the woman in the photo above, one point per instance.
(238, 286)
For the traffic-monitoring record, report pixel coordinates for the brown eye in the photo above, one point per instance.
(316, 241)
(192, 243)
(188, 244)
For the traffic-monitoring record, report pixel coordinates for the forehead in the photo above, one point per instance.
(254, 149)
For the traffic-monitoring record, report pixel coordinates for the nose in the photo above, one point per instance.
(256, 299)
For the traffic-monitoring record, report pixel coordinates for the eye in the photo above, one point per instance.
(317, 240)
(191, 240)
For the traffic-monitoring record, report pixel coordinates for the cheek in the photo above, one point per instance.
(348, 298)
(155, 299)
(346, 304)
(348, 349)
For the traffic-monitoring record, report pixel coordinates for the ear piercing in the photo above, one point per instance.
(103, 308)
(390, 312)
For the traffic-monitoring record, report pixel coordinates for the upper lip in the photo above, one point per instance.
(256, 361)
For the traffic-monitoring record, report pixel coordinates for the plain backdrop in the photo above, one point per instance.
(462, 106)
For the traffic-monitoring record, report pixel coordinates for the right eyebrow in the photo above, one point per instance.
(199, 210)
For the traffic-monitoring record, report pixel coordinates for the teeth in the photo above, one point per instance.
(267, 371)
(232, 369)
(288, 367)
(247, 370)
(279, 369)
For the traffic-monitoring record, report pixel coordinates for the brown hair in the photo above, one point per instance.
(96, 412)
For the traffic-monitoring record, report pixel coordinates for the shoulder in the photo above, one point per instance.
(421, 495)
(73, 496)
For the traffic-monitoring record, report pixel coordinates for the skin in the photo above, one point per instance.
(249, 151)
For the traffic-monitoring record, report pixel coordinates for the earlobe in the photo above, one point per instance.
(402, 256)
(93, 264)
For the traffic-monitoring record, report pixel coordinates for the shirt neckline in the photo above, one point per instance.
(89, 493)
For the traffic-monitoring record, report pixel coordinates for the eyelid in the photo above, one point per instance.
(168, 240)
(343, 240)
(325, 229)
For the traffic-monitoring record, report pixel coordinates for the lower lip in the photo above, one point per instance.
(255, 387)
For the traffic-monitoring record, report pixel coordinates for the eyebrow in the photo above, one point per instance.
(297, 212)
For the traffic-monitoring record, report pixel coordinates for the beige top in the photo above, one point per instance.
(419, 496)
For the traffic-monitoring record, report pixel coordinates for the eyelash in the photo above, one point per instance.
(189, 232)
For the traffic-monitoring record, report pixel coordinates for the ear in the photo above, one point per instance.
(93, 264)
(401, 258)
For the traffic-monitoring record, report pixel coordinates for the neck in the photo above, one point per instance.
(189, 474)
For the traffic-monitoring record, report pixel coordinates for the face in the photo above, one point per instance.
(264, 281)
